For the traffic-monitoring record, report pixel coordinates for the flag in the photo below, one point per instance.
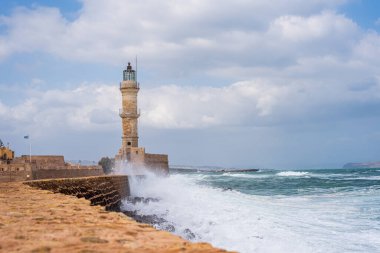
(26, 137)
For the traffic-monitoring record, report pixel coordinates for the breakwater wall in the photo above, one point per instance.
(107, 191)
(34, 220)
(66, 173)
(13, 173)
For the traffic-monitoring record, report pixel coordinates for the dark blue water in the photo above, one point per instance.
(296, 182)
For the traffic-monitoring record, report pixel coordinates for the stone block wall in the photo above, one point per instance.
(13, 176)
(107, 191)
(66, 173)
(136, 156)
(156, 162)
(15, 172)
(45, 160)
(43, 167)
(4, 167)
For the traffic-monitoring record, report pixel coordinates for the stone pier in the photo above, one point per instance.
(36, 220)
(107, 191)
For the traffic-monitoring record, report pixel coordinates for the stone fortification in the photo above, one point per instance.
(157, 162)
(66, 173)
(13, 175)
(34, 220)
(106, 191)
(15, 171)
(52, 162)
(43, 161)
(42, 167)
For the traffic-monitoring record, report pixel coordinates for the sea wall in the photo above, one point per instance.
(66, 173)
(34, 220)
(43, 167)
(23, 172)
(14, 175)
(106, 191)
(45, 160)
(11, 172)
(157, 162)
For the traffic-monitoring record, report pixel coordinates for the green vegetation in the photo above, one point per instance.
(107, 164)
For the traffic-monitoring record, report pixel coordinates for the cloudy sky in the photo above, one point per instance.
(246, 83)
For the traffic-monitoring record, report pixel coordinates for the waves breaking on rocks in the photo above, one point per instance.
(266, 211)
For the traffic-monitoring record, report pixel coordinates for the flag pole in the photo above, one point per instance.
(30, 147)
(30, 150)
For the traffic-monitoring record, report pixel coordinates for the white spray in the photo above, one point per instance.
(248, 223)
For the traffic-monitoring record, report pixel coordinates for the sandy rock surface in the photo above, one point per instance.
(33, 220)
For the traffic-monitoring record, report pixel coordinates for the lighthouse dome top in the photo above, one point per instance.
(129, 74)
(129, 67)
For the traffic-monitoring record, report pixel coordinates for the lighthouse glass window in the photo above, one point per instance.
(129, 76)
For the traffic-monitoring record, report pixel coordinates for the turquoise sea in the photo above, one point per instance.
(326, 210)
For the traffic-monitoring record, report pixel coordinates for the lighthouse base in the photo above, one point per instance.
(136, 158)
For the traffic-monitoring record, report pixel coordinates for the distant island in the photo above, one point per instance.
(362, 165)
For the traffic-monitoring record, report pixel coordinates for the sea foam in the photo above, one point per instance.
(245, 175)
(292, 173)
(250, 223)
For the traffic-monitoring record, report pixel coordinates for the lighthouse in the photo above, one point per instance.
(129, 113)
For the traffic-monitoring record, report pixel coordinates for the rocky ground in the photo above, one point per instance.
(33, 220)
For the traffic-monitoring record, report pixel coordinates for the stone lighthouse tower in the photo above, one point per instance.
(130, 151)
(129, 113)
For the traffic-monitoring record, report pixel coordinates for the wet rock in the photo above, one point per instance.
(134, 200)
(167, 227)
(189, 234)
(149, 219)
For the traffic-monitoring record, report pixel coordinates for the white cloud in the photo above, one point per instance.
(377, 22)
(34, 30)
(310, 59)
(86, 108)
(92, 107)
(171, 32)
(367, 50)
(325, 26)
(254, 103)
(3, 109)
(308, 44)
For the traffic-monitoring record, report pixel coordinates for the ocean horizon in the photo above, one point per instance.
(314, 210)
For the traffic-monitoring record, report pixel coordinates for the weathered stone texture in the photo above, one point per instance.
(157, 162)
(129, 114)
(66, 173)
(45, 160)
(43, 167)
(13, 175)
(33, 220)
(105, 191)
